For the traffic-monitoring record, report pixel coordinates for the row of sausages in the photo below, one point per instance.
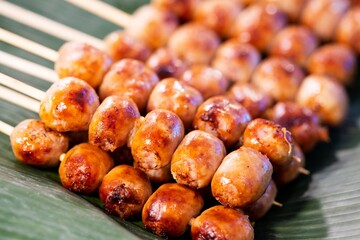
(204, 102)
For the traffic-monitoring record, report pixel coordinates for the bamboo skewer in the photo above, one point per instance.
(19, 99)
(101, 9)
(28, 67)
(6, 128)
(25, 88)
(46, 25)
(28, 45)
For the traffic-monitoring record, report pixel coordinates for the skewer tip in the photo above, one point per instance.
(304, 171)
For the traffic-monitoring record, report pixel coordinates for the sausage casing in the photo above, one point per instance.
(35, 144)
(219, 222)
(84, 167)
(154, 143)
(69, 105)
(197, 158)
(241, 178)
(170, 208)
(112, 122)
(124, 191)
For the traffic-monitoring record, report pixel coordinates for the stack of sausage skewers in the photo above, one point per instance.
(219, 123)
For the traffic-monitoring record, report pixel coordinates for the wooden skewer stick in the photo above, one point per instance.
(296, 158)
(304, 171)
(28, 67)
(104, 10)
(46, 25)
(24, 88)
(6, 128)
(19, 99)
(277, 204)
(28, 45)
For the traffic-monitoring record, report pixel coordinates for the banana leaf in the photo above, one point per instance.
(34, 205)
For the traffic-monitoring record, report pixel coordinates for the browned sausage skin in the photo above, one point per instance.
(292, 8)
(69, 105)
(219, 222)
(151, 25)
(170, 208)
(254, 100)
(217, 15)
(178, 97)
(236, 60)
(35, 144)
(336, 60)
(323, 16)
(120, 45)
(317, 93)
(270, 139)
(348, 31)
(260, 207)
(257, 24)
(290, 172)
(194, 43)
(112, 122)
(84, 167)
(182, 8)
(303, 124)
(207, 80)
(278, 77)
(197, 158)
(124, 191)
(131, 78)
(83, 61)
(223, 117)
(241, 178)
(295, 42)
(166, 64)
(156, 139)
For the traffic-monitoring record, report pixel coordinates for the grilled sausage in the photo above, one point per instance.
(194, 43)
(35, 144)
(207, 80)
(84, 167)
(170, 208)
(236, 60)
(173, 95)
(290, 172)
(151, 25)
(68, 105)
(83, 61)
(294, 42)
(196, 159)
(219, 222)
(223, 117)
(217, 15)
(278, 77)
(166, 64)
(131, 78)
(255, 101)
(270, 139)
(335, 60)
(258, 24)
(348, 31)
(325, 97)
(156, 139)
(112, 122)
(241, 178)
(323, 16)
(120, 45)
(260, 207)
(124, 191)
(303, 124)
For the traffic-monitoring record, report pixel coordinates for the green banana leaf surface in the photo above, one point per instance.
(34, 205)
